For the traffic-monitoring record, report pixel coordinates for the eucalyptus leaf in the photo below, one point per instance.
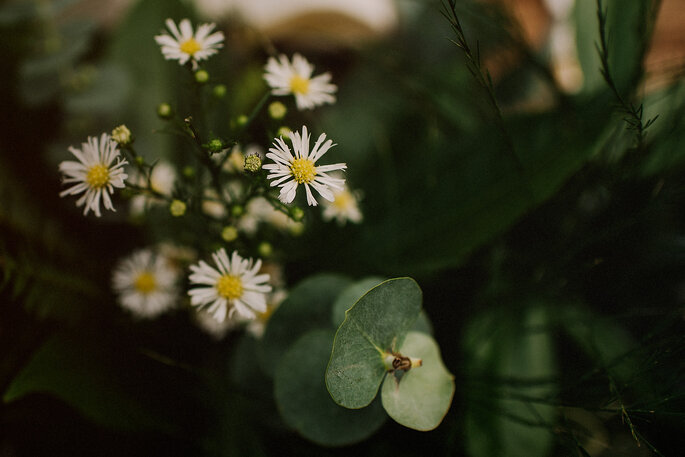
(376, 324)
(350, 295)
(307, 307)
(423, 395)
(423, 324)
(304, 402)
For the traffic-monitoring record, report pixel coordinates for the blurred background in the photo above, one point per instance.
(547, 236)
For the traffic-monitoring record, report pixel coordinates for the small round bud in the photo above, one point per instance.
(229, 233)
(241, 120)
(296, 213)
(201, 76)
(253, 163)
(122, 135)
(188, 171)
(219, 91)
(177, 208)
(215, 145)
(296, 229)
(165, 111)
(237, 210)
(140, 161)
(265, 249)
(284, 132)
(277, 110)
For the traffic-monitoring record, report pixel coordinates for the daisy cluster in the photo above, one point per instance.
(245, 187)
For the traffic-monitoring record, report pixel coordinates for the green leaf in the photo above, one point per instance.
(667, 135)
(377, 323)
(627, 36)
(423, 395)
(307, 307)
(511, 364)
(606, 342)
(304, 402)
(79, 373)
(349, 297)
(423, 324)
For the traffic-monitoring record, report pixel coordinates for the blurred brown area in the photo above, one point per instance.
(321, 30)
(666, 57)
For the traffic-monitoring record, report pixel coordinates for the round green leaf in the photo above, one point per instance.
(305, 404)
(376, 324)
(422, 396)
(350, 296)
(307, 307)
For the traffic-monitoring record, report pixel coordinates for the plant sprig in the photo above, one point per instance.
(633, 113)
(480, 73)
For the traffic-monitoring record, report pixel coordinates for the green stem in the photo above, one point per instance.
(258, 107)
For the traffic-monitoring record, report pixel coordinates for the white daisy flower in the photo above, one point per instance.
(343, 208)
(301, 167)
(146, 283)
(295, 78)
(235, 286)
(96, 174)
(185, 45)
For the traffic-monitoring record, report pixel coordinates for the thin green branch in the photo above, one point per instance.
(258, 107)
(633, 113)
(481, 74)
(625, 417)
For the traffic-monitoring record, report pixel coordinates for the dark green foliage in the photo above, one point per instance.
(548, 243)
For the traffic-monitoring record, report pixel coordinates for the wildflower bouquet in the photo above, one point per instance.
(463, 237)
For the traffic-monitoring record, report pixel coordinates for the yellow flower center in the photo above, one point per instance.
(145, 283)
(97, 176)
(299, 85)
(190, 46)
(230, 287)
(303, 170)
(343, 200)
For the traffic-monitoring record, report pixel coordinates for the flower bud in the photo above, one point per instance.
(177, 208)
(284, 132)
(265, 249)
(237, 210)
(215, 145)
(253, 163)
(296, 213)
(122, 135)
(229, 233)
(277, 110)
(201, 76)
(219, 91)
(165, 111)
